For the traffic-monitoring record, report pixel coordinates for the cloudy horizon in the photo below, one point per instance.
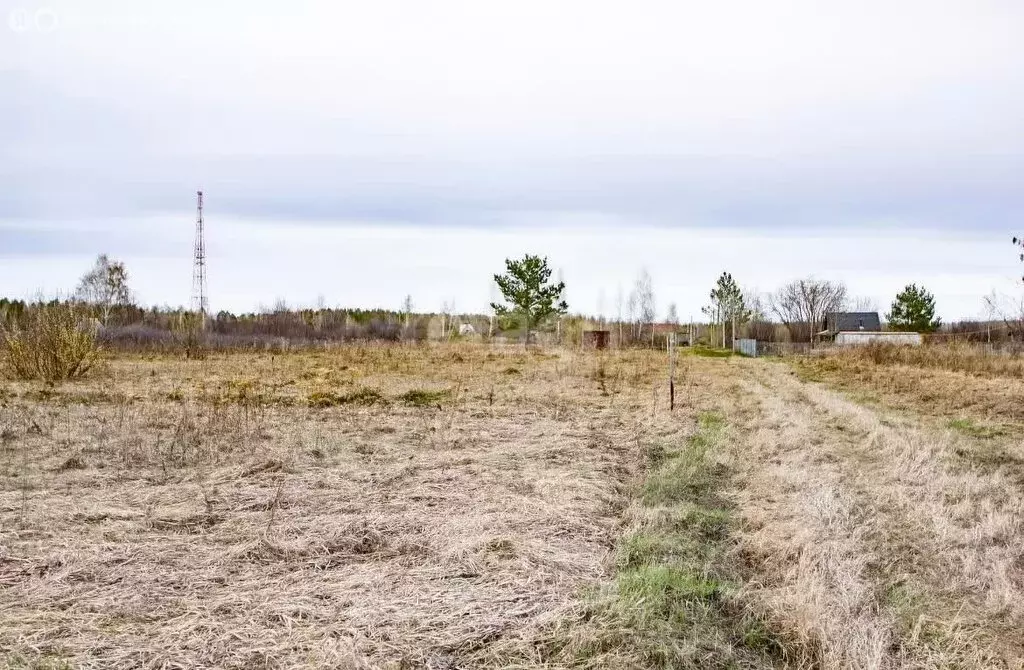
(361, 152)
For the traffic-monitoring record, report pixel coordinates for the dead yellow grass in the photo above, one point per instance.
(448, 509)
(931, 390)
(868, 543)
(973, 359)
(465, 506)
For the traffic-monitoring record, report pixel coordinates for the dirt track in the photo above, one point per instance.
(866, 538)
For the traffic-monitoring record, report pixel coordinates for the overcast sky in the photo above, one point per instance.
(356, 152)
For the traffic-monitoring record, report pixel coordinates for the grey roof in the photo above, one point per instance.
(840, 322)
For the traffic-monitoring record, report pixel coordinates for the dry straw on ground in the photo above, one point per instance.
(870, 541)
(186, 514)
(465, 506)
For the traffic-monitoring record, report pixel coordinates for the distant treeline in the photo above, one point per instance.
(133, 327)
(130, 327)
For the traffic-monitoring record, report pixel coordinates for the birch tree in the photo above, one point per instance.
(643, 289)
(105, 286)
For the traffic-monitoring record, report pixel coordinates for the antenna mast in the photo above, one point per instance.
(200, 297)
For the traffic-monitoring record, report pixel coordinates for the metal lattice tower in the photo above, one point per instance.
(200, 295)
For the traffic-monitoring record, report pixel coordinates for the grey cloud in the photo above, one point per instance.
(941, 149)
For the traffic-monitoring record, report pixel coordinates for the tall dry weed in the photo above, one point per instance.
(955, 356)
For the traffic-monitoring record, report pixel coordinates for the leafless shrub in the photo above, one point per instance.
(54, 342)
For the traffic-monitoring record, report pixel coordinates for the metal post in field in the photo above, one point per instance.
(671, 371)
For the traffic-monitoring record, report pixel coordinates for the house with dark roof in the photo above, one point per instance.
(852, 322)
(860, 328)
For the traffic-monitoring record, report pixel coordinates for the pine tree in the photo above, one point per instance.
(914, 310)
(530, 296)
(728, 303)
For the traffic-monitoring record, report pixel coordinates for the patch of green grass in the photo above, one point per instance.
(689, 475)
(656, 454)
(708, 523)
(756, 635)
(710, 421)
(972, 428)
(44, 662)
(708, 352)
(666, 590)
(685, 547)
(911, 609)
(672, 604)
(679, 480)
(364, 396)
(324, 399)
(361, 396)
(423, 397)
(905, 602)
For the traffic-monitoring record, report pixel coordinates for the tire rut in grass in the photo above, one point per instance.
(892, 480)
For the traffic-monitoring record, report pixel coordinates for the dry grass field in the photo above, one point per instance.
(464, 506)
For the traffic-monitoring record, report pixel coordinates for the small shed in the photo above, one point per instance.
(747, 347)
(596, 339)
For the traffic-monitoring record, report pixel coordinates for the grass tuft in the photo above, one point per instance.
(72, 463)
(423, 397)
(973, 428)
(363, 396)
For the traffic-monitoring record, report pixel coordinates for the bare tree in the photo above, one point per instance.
(1008, 310)
(863, 304)
(759, 326)
(446, 318)
(631, 305)
(803, 305)
(618, 317)
(407, 310)
(643, 290)
(105, 286)
(713, 312)
(673, 314)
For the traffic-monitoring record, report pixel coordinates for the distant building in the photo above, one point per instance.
(850, 329)
(663, 330)
(852, 322)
